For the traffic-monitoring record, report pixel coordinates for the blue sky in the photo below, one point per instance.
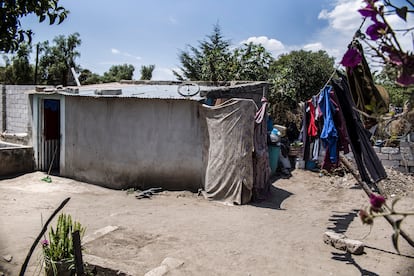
(141, 32)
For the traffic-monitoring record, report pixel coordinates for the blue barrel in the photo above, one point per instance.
(274, 152)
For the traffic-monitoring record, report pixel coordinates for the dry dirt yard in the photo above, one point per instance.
(280, 236)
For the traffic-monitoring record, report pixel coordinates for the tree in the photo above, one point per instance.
(296, 77)
(146, 72)
(87, 77)
(119, 72)
(251, 62)
(11, 32)
(301, 74)
(19, 70)
(398, 94)
(209, 61)
(57, 60)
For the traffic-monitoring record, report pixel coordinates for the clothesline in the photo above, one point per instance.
(336, 68)
(328, 81)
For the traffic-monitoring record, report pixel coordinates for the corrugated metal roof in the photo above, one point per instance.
(170, 91)
(156, 90)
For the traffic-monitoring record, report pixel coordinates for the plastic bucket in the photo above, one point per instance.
(274, 152)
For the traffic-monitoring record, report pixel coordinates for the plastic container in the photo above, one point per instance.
(274, 152)
(275, 135)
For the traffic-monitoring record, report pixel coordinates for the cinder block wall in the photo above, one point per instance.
(400, 158)
(17, 108)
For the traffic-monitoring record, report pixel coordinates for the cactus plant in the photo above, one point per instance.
(58, 250)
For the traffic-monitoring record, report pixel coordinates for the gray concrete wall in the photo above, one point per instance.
(16, 160)
(121, 143)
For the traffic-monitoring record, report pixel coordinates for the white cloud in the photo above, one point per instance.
(344, 20)
(405, 39)
(313, 46)
(115, 51)
(344, 17)
(274, 46)
(125, 54)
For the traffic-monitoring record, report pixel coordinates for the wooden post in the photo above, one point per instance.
(77, 250)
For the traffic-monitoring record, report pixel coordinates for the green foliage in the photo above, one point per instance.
(251, 62)
(119, 72)
(301, 74)
(398, 94)
(87, 77)
(208, 62)
(296, 77)
(59, 248)
(11, 32)
(18, 70)
(56, 60)
(146, 72)
(214, 60)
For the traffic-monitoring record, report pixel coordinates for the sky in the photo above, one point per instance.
(148, 32)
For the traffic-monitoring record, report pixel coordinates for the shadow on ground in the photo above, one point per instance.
(348, 259)
(342, 220)
(274, 199)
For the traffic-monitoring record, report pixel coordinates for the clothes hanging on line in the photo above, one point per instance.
(369, 166)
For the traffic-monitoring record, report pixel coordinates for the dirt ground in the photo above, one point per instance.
(279, 236)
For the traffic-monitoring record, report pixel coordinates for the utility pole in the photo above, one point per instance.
(37, 63)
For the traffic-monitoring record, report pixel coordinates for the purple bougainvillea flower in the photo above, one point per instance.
(376, 30)
(351, 58)
(365, 217)
(376, 201)
(393, 55)
(406, 76)
(369, 11)
(44, 242)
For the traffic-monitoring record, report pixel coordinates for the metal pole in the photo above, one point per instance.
(3, 107)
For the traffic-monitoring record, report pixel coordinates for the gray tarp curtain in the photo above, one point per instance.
(229, 151)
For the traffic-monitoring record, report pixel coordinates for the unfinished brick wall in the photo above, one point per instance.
(17, 108)
(400, 158)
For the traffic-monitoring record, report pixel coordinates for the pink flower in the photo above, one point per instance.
(369, 11)
(376, 30)
(406, 77)
(351, 58)
(376, 202)
(45, 243)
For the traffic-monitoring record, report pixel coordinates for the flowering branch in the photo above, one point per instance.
(379, 208)
(388, 47)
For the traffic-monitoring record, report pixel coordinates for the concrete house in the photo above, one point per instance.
(150, 134)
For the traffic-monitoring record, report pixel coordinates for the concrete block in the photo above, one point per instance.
(407, 163)
(341, 242)
(403, 169)
(158, 271)
(99, 233)
(390, 150)
(377, 149)
(397, 156)
(406, 150)
(391, 163)
(383, 156)
(172, 263)
(404, 144)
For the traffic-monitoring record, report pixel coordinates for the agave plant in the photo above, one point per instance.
(58, 250)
